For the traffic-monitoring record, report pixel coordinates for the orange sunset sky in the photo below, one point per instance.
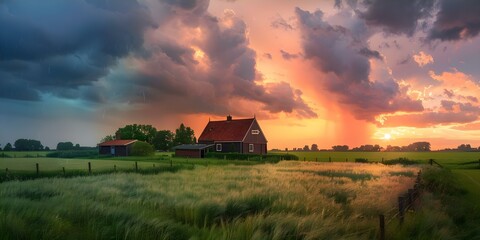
(325, 72)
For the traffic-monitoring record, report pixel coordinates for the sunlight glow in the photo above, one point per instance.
(387, 136)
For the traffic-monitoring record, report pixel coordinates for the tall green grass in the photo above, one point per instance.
(281, 201)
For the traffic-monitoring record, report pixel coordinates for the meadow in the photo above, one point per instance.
(441, 157)
(225, 199)
(289, 200)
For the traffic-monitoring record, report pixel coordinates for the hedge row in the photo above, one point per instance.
(73, 154)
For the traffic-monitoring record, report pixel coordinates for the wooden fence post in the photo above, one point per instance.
(304, 159)
(171, 163)
(382, 226)
(431, 162)
(89, 168)
(136, 166)
(330, 159)
(114, 168)
(410, 198)
(316, 159)
(401, 208)
(63, 168)
(346, 159)
(6, 170)
(38, 169)
(382, 159)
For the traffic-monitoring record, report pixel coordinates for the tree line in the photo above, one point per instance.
(413, 147)
(162, 140)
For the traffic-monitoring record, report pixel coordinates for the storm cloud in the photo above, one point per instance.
(335, 51)
(459, 19)
(396, 16)
(55, 45)
(143, 53)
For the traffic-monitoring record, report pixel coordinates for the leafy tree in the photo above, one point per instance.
(142, 149)
(419, 147)
(340, 148)
(8, 147)
(465, 147)
(184, 135)
(314, 147)
(305, 148)
(62, 146)
(28, 145)
(108, 138)
(47, 149)
(163, 140)
(77, 146)
(145, 133)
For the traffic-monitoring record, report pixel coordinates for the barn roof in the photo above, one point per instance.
(118, 142)
(228, 130)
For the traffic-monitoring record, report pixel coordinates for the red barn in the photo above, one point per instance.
(116, 147)
(239, 135)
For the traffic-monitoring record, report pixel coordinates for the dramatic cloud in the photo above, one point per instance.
(459, 19)
(52, 48)
(422, 58)
(171, 53)
(396, 16)
(335, 51)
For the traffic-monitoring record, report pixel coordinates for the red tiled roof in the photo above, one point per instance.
(117, 142)
(233, 130)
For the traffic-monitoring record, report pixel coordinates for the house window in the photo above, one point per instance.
(250, 147)
(255, 132)
(219, 147)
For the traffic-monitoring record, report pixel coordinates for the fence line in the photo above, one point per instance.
(63, 172)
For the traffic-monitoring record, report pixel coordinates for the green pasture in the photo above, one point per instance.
(469, 179)
(56, 164)
(441, 157)
(21, 154)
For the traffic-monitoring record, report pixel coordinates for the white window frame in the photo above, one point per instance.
(250, 147)
(255, 131)
(218, 147)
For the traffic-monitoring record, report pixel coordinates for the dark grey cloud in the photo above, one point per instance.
(448, 93)
(288, 56)
(335, 50)
(62, 45)
(268, 55)
(396, 17)
(370, 53)
(459, 19)
(281, 23)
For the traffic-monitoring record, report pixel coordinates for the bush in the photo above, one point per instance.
(142, 149)
(361, 160)
(402, 161)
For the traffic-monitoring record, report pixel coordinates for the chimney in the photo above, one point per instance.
(229, 118)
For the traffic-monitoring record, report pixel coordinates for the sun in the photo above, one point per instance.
(387, 136)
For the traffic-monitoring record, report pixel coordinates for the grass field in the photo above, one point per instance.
(232, 199)
(289, 200)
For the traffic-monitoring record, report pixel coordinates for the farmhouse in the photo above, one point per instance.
(116, 147)
(239, 135)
